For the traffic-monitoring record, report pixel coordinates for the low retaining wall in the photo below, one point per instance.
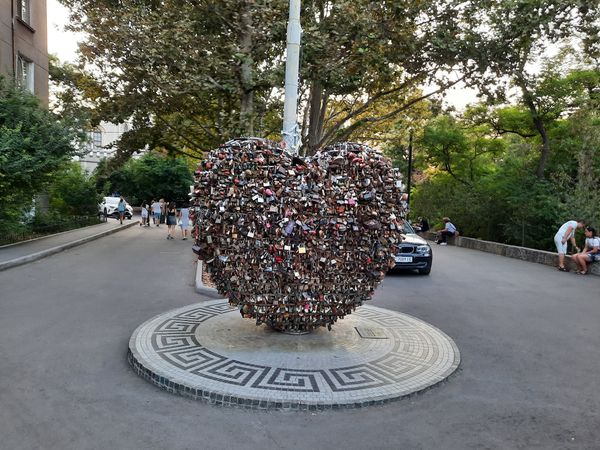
(201, 288)
(513, 251)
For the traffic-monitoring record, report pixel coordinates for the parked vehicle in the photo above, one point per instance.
(109, 208)
(414, 252)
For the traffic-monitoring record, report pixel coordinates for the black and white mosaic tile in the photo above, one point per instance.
(207, 351)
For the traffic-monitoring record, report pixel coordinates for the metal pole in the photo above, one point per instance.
(410, 148)
(292, 65)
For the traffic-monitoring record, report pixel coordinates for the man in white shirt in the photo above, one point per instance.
(590, 253)
(449, 230)
(156, 212)
(564, 233)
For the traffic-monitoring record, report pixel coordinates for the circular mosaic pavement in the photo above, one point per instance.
(208, 352)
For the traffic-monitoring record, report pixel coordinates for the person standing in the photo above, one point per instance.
(156, 212)
(564, 233)
(590, 252)
(171, 215)
(121, 208)
(449, 230)
(184, 221)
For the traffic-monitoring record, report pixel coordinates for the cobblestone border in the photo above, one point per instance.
(216, 399)
(168, 380)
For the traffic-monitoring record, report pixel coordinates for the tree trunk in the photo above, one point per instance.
(539, 126)
(318, 106)
(246, 74)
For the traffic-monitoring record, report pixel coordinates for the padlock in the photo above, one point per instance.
(315, 254)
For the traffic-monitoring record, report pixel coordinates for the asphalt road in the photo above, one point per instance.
(528, 337)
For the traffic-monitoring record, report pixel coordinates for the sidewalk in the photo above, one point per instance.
(514, 251)
(24, 252)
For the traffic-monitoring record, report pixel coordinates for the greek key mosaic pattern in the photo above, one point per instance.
(167, 351)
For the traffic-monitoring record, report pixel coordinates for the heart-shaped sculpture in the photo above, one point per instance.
(296, 243)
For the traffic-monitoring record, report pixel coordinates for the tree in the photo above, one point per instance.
(73, 192)
(365, 63)
(34, 143)
(151, 176)
(508, 37)
(191, 74)
(464, 153)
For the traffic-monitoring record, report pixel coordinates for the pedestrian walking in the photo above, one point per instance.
(184, 221)
(566, 232)
(171, 217)
(156, 212)
(121, 208)
(149, 211)
(443, 234)
(163, 210)
(144, 211)
(590, 253)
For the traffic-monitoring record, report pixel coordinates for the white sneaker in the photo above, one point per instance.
(443, 243)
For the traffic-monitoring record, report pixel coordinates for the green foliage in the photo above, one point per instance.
(151, 176)
(192, 74)
(73, 192)
(465, 154)
(33, 143)
(364, 63)
(188, 74)
(478, 168)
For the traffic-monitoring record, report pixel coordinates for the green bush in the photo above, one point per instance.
(73, 193)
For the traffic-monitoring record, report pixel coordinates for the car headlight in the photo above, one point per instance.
(424, 249)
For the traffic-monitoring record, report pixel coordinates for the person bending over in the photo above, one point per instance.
(566, 232)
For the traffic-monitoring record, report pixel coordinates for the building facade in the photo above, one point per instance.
(100, 144)
(24, 45)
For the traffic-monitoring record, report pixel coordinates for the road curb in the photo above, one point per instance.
(59, 248)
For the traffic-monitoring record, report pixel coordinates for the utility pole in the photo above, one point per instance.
(292, 66)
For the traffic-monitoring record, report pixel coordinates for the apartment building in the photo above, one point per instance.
(100, 145)
(24, 44)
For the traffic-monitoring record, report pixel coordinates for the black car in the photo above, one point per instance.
(413, 252)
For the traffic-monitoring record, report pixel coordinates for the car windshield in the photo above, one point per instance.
(113, 200)
(408, 229)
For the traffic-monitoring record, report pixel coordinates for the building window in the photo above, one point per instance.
(97, 138)
(24, 75)
(24, 10)
(95, 143)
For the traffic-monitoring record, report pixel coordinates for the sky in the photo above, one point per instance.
(60, 43)
(64, 45)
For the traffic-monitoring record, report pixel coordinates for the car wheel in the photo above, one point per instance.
(425, 271)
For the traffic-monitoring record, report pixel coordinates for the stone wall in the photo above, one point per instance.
(513, 251)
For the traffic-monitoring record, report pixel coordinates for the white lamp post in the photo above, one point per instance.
(292, 66)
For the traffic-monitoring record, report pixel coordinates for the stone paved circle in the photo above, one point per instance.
(208, 352)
